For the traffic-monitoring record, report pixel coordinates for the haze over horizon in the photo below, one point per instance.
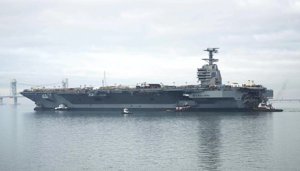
(43, 42)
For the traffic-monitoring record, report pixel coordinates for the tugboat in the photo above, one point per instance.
(265, 107)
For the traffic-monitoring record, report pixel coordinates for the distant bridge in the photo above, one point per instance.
(10, 97)
(13, 90)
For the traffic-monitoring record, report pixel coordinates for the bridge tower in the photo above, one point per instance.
(13, 89)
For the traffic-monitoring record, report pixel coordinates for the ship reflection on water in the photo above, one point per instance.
(234, 141)
(210, 141)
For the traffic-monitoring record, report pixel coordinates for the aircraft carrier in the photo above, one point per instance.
(209, 94)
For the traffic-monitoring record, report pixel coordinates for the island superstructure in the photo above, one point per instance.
(210, 94)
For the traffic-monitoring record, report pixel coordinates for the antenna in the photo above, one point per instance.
(104, 80)
(65, 83)
(211, 51)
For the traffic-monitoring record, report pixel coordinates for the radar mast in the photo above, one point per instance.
(211, 52)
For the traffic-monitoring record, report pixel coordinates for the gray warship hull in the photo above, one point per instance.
(231, 98)
(211, 94)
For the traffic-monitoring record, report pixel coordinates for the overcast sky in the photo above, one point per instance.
(42, 42)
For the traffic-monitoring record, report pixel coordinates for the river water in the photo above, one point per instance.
(97, 140)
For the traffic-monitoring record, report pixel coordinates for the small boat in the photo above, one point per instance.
(264, 107)
(126, 111)
(182, 108)
(61, 107)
